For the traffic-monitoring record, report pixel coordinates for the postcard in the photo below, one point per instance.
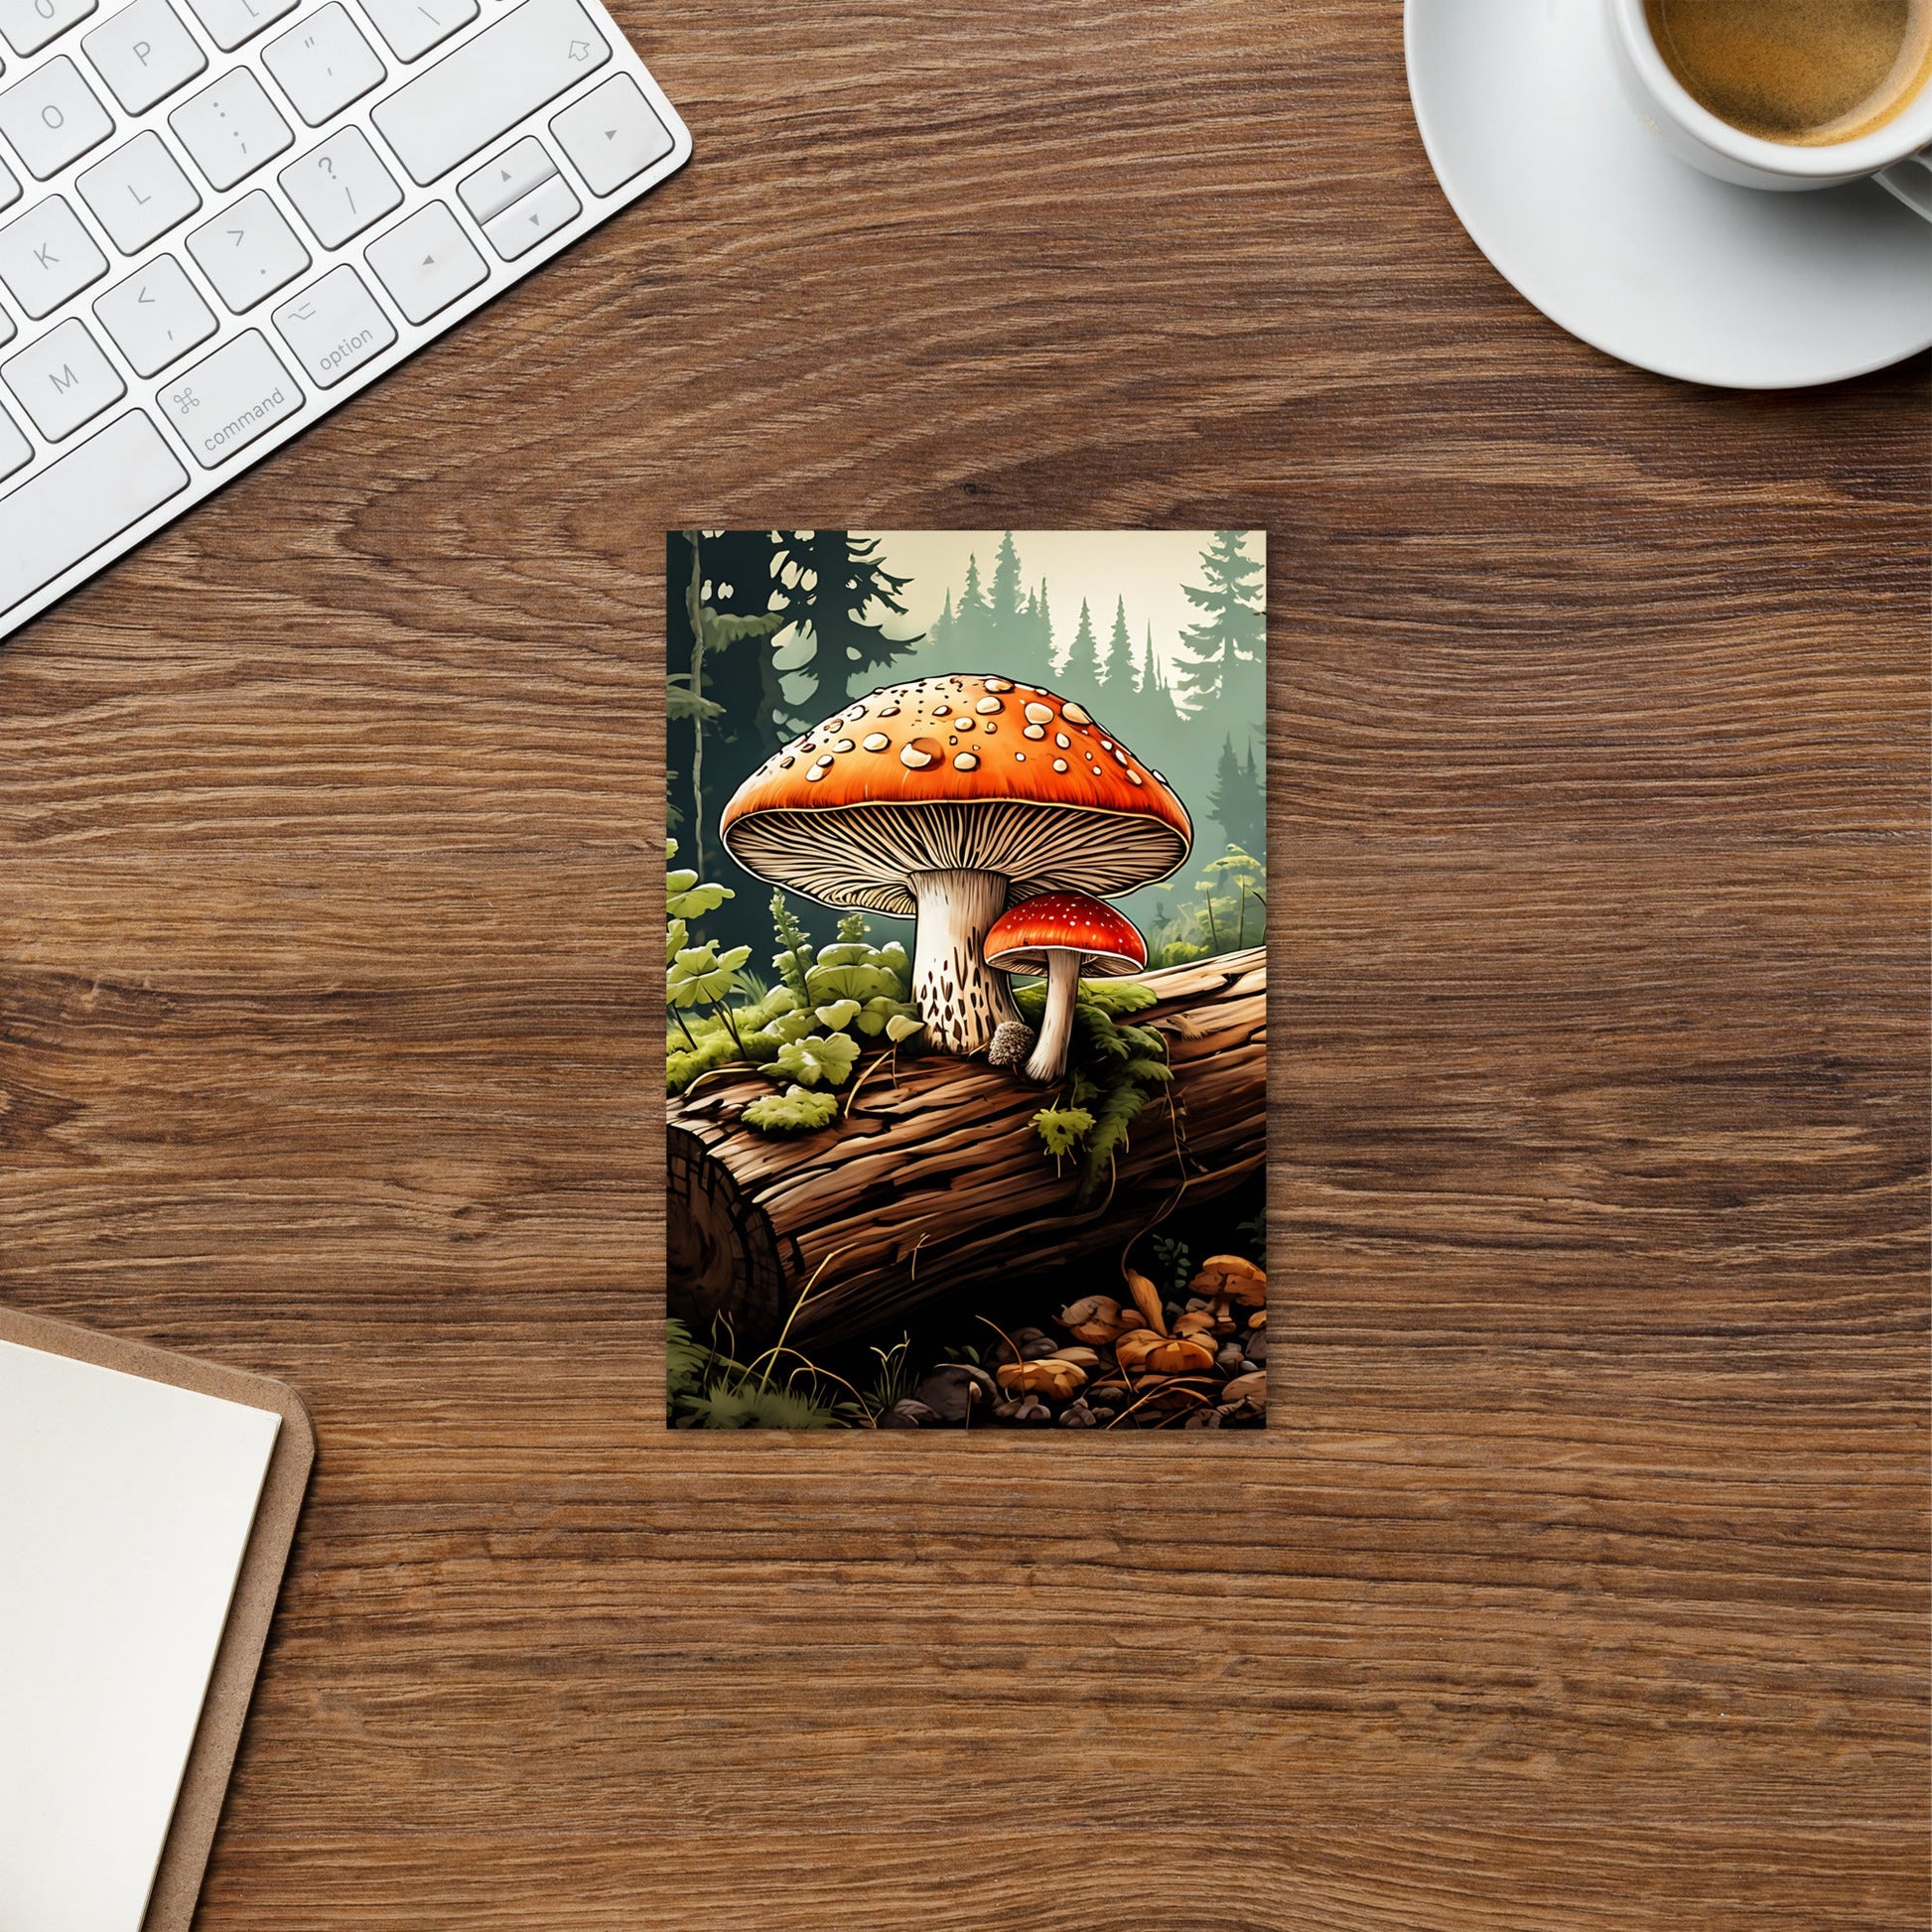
(966, 979)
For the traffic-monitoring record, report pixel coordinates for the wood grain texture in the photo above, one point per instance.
(1581, 1581)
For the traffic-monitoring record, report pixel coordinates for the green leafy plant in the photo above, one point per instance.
(796, 1111)
(1226, 909)
(1117, 1067)
(808, 1032)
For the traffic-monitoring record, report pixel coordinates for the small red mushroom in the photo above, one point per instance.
(1058, 934)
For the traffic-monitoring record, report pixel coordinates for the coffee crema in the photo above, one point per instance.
(1807, 72)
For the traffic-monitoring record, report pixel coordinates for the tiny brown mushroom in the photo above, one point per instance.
(1199, 1322)
(1147, 1298)
(1085, 1358)
(1132, 1349)
(1183, 1355)
(1055, 1377)
(1225, 1279)
(1251, 1388)
(1092, 1318)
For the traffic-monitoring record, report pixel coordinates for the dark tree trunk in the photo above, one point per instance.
(939, 1178)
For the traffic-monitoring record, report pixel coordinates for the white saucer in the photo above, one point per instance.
(1577, 204)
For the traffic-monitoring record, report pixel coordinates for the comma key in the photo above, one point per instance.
(335, 326)
(238, 395)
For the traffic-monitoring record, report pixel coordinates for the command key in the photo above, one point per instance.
(238, 395)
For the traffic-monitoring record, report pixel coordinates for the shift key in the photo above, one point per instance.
(491, 83)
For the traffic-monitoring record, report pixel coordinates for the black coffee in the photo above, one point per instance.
(1808, 72)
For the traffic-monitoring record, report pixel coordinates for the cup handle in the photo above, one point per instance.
(1912, 180)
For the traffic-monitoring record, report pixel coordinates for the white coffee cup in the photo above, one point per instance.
(1898, 154)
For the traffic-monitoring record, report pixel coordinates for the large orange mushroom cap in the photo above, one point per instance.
(963, 771)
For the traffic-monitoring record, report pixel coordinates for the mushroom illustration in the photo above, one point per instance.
(946, 798)
(1060, 934)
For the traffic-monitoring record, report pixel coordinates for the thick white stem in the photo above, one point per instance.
(1048, 1060)
(961, 999)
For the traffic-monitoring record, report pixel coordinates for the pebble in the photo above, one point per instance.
(1254, 1346)
(908, 1415)
(948, 1389)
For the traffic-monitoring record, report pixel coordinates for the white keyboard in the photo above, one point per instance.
(220, 218)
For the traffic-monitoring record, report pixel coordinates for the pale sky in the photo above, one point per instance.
(1147, 567)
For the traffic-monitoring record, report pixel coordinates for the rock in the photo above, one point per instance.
(1034, 1342)
(908, 1415)
(1026, 1409)
(952, 1389)
(1076, 1415)
(1231, 1361)
(1203, 1418)
(1254, 1346)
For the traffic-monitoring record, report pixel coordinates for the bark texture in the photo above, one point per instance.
(939, 1178)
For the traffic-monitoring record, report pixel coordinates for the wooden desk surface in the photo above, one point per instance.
(1583, 1580)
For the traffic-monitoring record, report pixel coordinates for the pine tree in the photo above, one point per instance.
(1119, 652)
(828, 582)
(1083, 665)
(973, 621)
(1005, 609)
(1148, 682)
(1221, 655)
(940, 636)
(1236, 800)
(1043, 634)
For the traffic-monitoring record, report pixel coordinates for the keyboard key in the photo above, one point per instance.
(238, 395)
(101, 487)
(144, 54)
(341, 188)
(9, 187)
(231, 128)
(45, 256)
(426, 262)
(413, 26)
(249, 251)
(30, 24)
(610, 135)
(537, 216)
(230, 22)
(138, 192)
(52, 118)
(64, 381)
(323, 65)
(7, 329)
(15, 450)
(156, 316)
(335, 326)
(489, 84)
(511, 176)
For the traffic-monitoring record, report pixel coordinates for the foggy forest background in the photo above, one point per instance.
(771, 631)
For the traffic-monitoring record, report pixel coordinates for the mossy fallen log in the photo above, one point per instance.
(936, 1177)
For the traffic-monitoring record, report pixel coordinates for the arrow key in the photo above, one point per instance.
(426, 262)
(511, 176)
(156, 316)
(610, 135)
(537, 216)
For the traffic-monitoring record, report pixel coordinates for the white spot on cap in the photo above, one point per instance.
(786, 762)
(1162, 777)
(997, 684)
(1059, 764)
(1074, 715)
(1019, 757)
(876, 740)
(941, 710)
(1039, 714)
(1106, 744)
(988, 705)
(916, 760)
(966, 762)
(1133, 777)
(845, 745)
(1120, 757)
(814, 774)
(1061, 739)
(889, 711)
(1036, 731)
(857, 712)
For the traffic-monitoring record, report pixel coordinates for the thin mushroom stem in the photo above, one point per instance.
(1048, 1060)
(962, 1000)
